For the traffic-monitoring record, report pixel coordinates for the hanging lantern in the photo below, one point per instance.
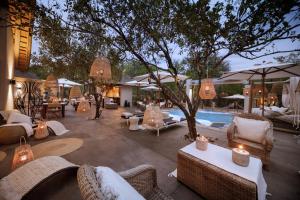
(23, 154)
(84, 106)
(51, 81)
(75, 92)
(207, 90)
(153, 116)
(101, 69)
(41, 131)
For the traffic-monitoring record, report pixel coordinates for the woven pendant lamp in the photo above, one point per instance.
(101, 69)
(51, 81)
(207, 90)
(75, 92)
(153, 116)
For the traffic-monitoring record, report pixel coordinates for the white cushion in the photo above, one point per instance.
(113, 186)
(15, 117)
(250, 129)
(281, 110)
(5, 113)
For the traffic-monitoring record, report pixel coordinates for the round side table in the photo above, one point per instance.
(134, 123)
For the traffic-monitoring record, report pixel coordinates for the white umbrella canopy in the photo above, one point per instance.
(263, 72)
(137, 84)
(164, 77)
(64, 81)
(235, 96)
(151, 88)
(270, 71)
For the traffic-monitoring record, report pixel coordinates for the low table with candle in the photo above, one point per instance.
(212, 174)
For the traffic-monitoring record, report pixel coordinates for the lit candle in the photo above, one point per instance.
(201, 143)
(23, 158)
(240, 156)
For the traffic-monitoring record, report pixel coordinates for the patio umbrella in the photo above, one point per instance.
(153, 88)
(164, 77)
(137, 84)
(263, 72)
(63, 82)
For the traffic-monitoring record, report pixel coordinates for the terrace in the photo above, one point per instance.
(145, 128)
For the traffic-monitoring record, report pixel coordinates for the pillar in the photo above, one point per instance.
(6, 62)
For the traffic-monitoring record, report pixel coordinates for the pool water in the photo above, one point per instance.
(207, 117)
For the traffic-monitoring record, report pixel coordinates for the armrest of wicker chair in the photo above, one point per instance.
(142, 178)
(269, 139)
(231, 132)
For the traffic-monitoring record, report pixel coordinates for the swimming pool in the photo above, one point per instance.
(206, 117)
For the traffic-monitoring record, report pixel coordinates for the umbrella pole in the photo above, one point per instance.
(250, 97)
(263, 92)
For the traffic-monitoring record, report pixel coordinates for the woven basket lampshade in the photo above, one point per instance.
(23, 154)
(41, 130)
(207, 90)
(75, 92)
(51, 81)
(83, 106)
(101, 69)
(153, 116)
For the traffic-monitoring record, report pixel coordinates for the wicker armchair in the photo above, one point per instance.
(141, 178)
(261, 150)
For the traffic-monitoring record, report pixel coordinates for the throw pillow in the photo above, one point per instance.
(250, 129)
(15, 117)
(113, 186)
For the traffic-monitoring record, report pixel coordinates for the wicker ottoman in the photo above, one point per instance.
(211, 182)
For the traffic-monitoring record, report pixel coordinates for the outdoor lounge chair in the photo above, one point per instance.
(127, 115)
(142, 178)
(259, 145)
(168, 122)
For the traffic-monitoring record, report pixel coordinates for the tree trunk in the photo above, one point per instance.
(191, 121)
(98, 99)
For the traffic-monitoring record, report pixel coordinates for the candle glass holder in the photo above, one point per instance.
(201, 143)
(240, 156)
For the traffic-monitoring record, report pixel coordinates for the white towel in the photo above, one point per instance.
(26, 126)
(57, 127)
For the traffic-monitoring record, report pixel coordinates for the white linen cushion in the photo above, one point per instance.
(15, 117)
(5, 113)
(280, 110)
(250, 129)
(113, 186)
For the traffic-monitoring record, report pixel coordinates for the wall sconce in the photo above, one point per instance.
(12, 81)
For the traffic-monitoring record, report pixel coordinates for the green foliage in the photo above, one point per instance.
(293, 57)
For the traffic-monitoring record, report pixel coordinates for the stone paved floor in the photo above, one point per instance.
(109, 142)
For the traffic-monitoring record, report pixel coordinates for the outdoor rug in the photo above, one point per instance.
(2, 155)
(57, 147)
